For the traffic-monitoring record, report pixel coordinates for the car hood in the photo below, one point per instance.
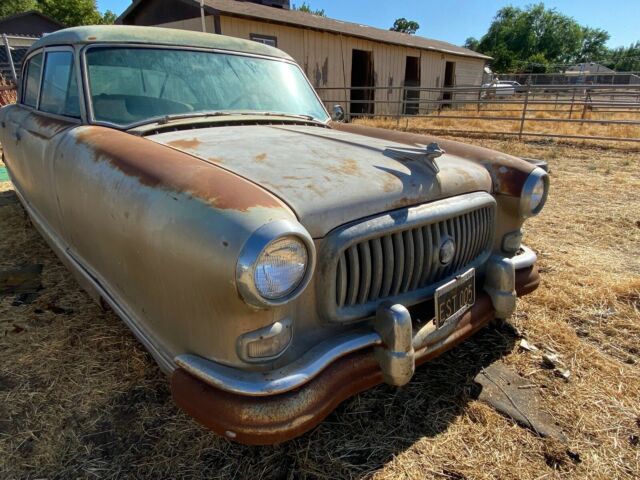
(329, 177)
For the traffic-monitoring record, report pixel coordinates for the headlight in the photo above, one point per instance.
(280, 267)
(275, 264)
(534, 193)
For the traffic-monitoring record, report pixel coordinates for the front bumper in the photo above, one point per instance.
(257, 408)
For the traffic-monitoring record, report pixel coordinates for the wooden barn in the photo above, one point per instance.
(335, 55)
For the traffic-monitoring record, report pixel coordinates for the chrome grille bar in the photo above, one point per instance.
(403, 261)
(397, 256)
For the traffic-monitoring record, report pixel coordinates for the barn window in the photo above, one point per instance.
(266, 39)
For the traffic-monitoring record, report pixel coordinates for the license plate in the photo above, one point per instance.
(455, 297)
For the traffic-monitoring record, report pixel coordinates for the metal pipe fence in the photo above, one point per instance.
(13, 48)
(523, 106)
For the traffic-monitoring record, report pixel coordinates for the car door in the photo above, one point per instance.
(56, 110)
(12, 116)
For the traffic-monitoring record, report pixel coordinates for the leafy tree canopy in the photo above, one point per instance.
(68, 12)
(625, 59)
(405, 26)
(537, 38)
(305, 7)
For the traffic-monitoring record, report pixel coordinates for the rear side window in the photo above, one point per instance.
(59, 85)
(32, 82)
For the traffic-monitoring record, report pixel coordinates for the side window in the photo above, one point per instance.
(59, 86)
(32, 81)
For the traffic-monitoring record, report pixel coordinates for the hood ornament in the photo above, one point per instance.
(431, 152)
(434, 151)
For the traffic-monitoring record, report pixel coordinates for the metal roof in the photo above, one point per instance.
(296, 18)
(156, 36)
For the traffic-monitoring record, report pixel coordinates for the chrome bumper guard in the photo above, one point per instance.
(395, 345)
(395, 354)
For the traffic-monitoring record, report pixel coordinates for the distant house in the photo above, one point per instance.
(21, 30)
(28, 24)
(334, 54)
(590, 68)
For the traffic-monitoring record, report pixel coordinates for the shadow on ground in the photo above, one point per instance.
(98, 404)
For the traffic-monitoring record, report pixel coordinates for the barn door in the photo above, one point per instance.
(362, 79)
(411, 79)
(449, 81)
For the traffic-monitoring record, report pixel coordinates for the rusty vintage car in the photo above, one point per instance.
(273, 261)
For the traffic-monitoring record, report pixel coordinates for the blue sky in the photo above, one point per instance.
(455, 20)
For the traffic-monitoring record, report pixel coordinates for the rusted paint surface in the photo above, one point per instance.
(508, 180)
(276, 419)
(185, 143)
(157, 166)
(45, 126)
(51, 123)
(507, 172)
(527, 280)
(346, 167)
(329, 177)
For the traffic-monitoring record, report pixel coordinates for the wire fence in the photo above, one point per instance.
(590, 75)
(580, 108)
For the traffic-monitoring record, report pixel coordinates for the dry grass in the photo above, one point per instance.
(7, 92)
(483, 122)
(80, 398)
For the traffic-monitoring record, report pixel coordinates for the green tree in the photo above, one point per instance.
(68, 12)
(625, 59)
(540, 36)
(10, 7)
(593, 46)
(405, 26)
(108, 18)
(305, 7)
(472, 43)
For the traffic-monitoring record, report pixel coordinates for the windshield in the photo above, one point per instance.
(130, 85)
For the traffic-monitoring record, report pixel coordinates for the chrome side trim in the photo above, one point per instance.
(282, 379)
(524, 259)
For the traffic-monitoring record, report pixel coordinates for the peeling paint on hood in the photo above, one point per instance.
(329, 177)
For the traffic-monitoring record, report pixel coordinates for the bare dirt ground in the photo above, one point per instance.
(80, 398)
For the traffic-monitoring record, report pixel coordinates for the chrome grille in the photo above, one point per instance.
(407, 260)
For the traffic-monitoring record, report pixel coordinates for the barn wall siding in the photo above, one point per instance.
(326, 60)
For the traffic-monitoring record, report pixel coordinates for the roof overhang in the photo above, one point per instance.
(297, 19)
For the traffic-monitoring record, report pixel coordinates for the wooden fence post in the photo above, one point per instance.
(573, 98)
(524, 114)
(401, 93)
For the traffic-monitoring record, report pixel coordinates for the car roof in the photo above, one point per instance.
(155, 36)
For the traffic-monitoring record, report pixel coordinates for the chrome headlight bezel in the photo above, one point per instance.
(251, 252)
(537, 176)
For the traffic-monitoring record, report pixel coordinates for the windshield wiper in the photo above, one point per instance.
(289, 115)
(178, 116)
(164, 119)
